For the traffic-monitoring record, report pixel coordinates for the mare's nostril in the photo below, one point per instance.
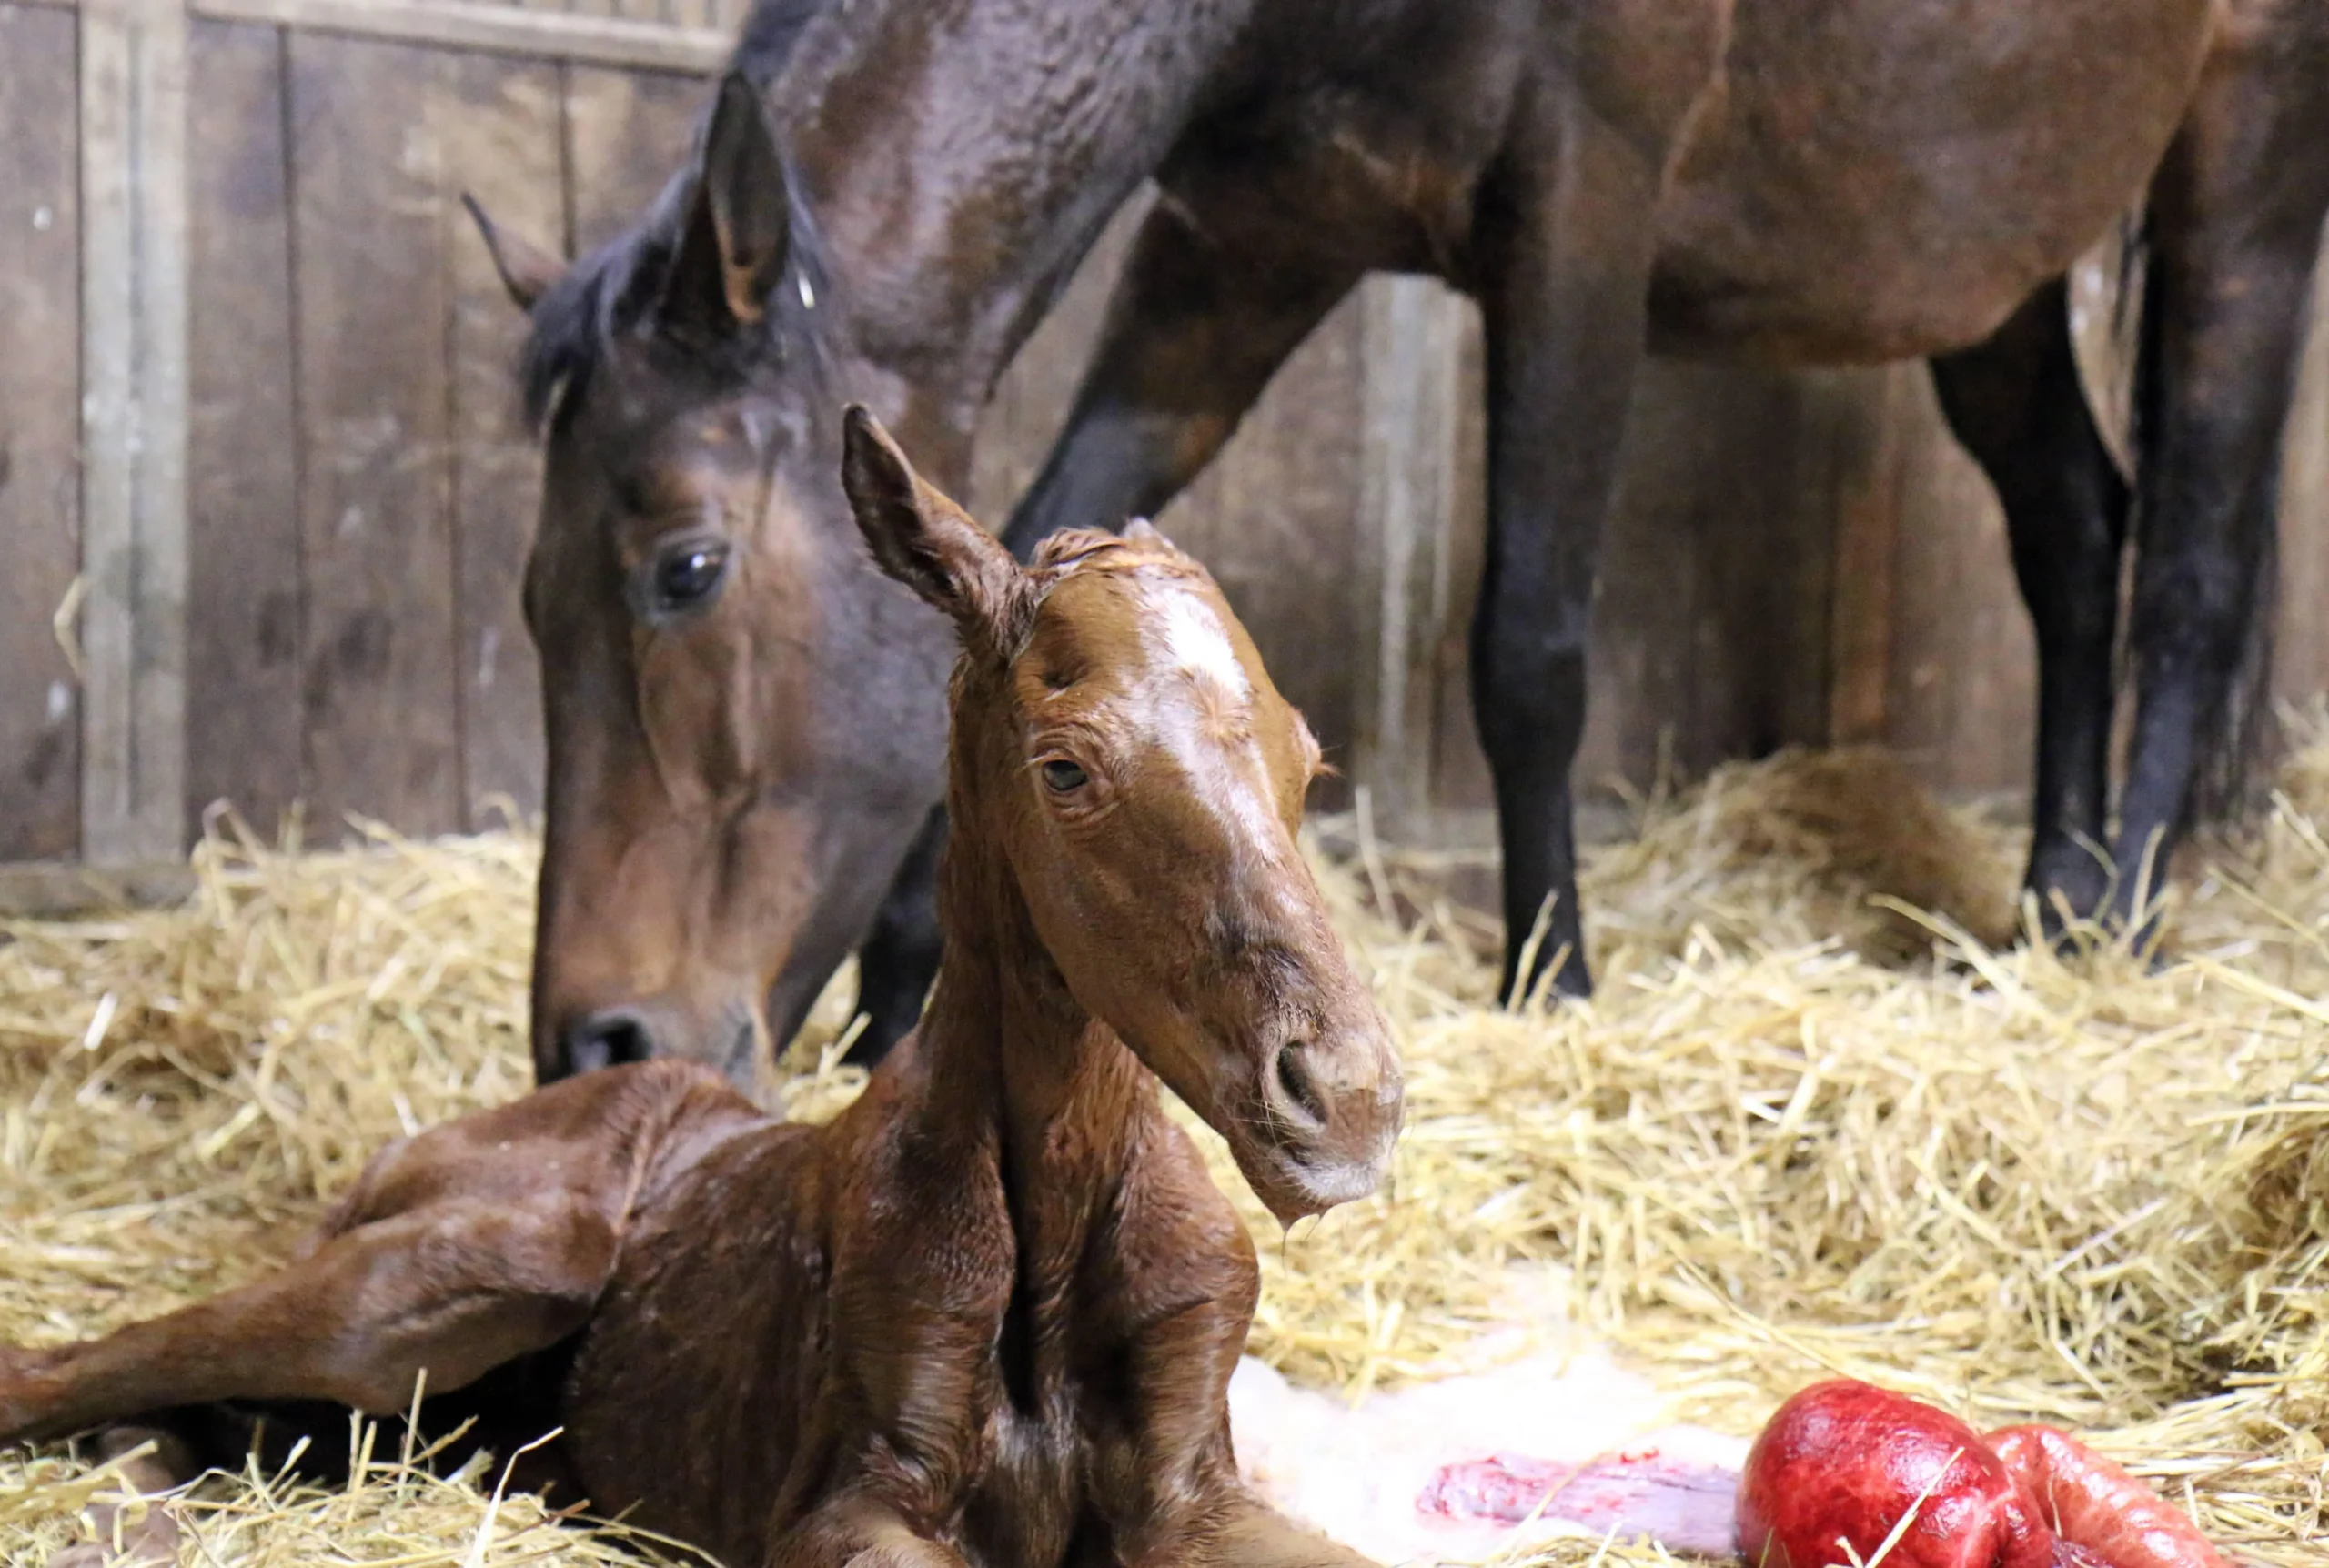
(607, 1040)
(1296, 1093)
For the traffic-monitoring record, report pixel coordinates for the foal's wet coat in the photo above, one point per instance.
(989, 1314)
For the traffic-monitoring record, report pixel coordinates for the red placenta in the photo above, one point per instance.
(1845, 1472)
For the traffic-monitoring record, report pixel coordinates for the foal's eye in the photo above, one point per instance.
(1060, 776)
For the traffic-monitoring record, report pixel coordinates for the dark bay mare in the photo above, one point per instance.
(745, 724)
(988, 1314)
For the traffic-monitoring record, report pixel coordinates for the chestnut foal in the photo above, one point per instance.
(989, 1314)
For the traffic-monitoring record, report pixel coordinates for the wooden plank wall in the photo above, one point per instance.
(1795, 558)
(40, 401)
(362, 488)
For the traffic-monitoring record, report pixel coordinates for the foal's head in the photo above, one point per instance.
(1117, 739)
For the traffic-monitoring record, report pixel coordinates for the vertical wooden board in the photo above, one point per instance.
(1274, 519)
(626, 132)
(499, 122)
(2301, 652)
(132, 109)
(381, 727)
(1868, 506)
(40, 399)
(243, 475)
(1962, 695)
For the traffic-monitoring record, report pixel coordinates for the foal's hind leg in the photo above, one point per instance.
(459, 1250)
(456, 1288)
(2016, 403)
(2236, 215)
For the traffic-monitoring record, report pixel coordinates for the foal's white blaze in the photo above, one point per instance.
(1196, 641)
(1203, 726)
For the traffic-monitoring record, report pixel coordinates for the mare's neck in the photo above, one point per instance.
(959, 159)
(1013, 1058)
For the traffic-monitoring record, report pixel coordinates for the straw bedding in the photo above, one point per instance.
(1820, 1117)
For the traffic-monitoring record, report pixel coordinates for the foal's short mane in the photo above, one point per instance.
(1073, 548)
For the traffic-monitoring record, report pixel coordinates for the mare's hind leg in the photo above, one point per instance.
(467, 1247)
(2016, 403)
(2236, 215)
(1213, 300)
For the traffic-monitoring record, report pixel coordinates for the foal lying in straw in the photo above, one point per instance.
(988, 1315)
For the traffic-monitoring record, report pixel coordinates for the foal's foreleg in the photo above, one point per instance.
(117, 1539)
(1208, 308)
(2236, 215)
(2016, 403)
(456, 1289)
(1246, 1534)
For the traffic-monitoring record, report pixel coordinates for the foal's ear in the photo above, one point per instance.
(923, 539)
(527, 270)
(737, 220)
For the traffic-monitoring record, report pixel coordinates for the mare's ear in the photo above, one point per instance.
(736, 219)
(923, 539)
(527, 270)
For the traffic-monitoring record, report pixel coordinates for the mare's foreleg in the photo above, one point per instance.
(1209, 306)
(1566, 278)
(2016, 405)
(900, 957)
(2236, 215)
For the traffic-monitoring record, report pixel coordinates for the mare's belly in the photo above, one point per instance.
(1877, 179)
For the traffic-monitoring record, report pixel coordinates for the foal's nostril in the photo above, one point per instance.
(607, 1040)
(1296, 1093)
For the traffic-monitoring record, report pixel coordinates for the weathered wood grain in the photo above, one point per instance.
(134, 333)
(626, 131)
(500, 123)
(40, 396)
(502, 29)
(370, 224)
(243, 602)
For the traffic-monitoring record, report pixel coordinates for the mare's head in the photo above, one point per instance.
(746, 722)
(1121, 757)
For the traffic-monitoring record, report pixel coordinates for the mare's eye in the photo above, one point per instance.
(1060, 776)
(687, 576)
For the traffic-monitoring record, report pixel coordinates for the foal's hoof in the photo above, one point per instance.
(151, 1542)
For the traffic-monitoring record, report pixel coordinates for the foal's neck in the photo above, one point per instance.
(1012, 1058)
(960, 157)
